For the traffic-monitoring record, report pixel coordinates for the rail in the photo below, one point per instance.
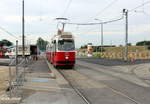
(76, 89)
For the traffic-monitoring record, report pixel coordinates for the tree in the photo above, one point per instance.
(41, 43)
(83, 47)
(6, 42)
(129, 44)
(120, 45)
(143, 43)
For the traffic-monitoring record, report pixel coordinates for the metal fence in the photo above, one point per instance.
(15, 82)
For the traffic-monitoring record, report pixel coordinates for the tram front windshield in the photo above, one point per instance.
(66, 45)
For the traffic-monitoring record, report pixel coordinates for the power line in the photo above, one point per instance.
(139, 6)
(67, 7)
(105, 22)
(108, 6)
(8, 32)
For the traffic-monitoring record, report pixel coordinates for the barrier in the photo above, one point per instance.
(132, 56)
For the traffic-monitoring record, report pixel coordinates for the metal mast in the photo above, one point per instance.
(23, 45)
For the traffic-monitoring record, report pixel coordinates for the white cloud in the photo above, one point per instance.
(11, 19)
(28, 19)
(39, 15)
(140, 29)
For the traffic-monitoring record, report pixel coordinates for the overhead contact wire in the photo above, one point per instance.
(1, 28)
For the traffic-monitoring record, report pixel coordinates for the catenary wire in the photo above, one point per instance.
(139, 6)
(104, 9)
(105, 22)
(1, 28)
(67, 7)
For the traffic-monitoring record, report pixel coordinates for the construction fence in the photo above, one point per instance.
(131, 55)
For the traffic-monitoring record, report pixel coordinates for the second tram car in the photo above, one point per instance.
(61, 50)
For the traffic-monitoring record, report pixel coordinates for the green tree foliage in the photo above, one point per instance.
(129, 44)
(41, 43)
(148, 47)
(143, 43)
(83, 47)
(6, 42)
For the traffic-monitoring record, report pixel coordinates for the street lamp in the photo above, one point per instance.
(101, 33)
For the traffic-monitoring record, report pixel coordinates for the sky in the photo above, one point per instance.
(40, 20)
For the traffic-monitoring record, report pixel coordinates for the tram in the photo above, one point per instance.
(61, 50)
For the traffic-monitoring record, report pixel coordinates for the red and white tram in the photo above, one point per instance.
(61, 50)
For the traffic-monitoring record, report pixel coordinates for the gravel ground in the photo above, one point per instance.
(4, 77)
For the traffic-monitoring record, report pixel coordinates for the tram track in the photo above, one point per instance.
(75, 89)
(117, 91)
(142, 78)
(81, 94)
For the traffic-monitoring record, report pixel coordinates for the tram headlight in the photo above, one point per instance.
(66, 57)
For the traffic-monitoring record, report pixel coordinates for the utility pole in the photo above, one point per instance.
(101, 34)
(125, 11)
(102, 37)
(17, 60)
(23, 45)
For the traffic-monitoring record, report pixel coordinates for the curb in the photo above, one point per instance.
(59, 78)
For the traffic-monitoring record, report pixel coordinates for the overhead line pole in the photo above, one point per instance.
(23, 45)
(125, 11)
(101, 38)
(101, 47)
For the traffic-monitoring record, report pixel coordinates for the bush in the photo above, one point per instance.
(148, 47)
(97, 55)
(143, 43)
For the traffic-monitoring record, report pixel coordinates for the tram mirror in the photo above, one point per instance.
(54, 42)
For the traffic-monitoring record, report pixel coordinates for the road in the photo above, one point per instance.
(4, 62)
(110, 84)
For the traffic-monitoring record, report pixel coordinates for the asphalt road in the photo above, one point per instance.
(113, 62)
(118, 88)
(95, 91)
(4, 62)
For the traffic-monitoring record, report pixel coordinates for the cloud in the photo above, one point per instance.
(28, 19)
(40, 13)
(140, 29)
(97, 33)
(11, 19)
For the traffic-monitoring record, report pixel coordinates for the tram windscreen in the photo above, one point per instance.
(66, 45)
